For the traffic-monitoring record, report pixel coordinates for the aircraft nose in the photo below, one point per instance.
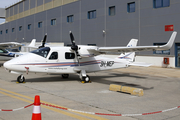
(10, 64)
(7, 65)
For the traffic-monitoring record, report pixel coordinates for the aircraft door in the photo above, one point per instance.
(53, 60)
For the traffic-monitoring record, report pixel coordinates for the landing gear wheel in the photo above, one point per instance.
(65, 75)
(20, 79)
(86, 79)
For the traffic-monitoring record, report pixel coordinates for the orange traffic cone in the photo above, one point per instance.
(36, 115)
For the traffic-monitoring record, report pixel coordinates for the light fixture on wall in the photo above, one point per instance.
(104, 32)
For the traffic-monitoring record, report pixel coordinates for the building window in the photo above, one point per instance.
(53, 22)
(112, 11)
(29, 26)
(1, 32)
(39, 24)
(131, 7)
(164, 52)
(20, 28)
(6, 31)
(161, 3)
(13, 29)
(92, 14)
(70, 18)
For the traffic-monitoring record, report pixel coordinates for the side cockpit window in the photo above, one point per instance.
(69, 55)
(42, 51)
(54, 56)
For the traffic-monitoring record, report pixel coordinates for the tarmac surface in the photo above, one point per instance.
(161, 92)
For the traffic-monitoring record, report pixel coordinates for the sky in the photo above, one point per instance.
(6, 3)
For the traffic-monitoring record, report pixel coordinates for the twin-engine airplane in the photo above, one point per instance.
(80, 59)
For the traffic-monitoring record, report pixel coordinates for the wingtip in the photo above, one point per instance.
(170, 42)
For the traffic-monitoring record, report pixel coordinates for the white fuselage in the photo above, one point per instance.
(63, 63)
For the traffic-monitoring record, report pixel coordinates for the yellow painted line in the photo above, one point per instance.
(16, 97)
(27, 97)
(53, 109)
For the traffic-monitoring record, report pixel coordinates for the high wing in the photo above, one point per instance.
(137, 48)
(10, 45)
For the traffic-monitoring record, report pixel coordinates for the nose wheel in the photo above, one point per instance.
(20, 79)
(86, 79)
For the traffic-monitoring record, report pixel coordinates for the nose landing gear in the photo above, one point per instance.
(21, 79)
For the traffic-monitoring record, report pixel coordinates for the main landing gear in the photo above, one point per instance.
(65, 75)
(21, 79)
(84, 78)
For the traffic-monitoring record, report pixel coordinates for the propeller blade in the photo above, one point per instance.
(43, 41)
(74, 47)
(72, 38)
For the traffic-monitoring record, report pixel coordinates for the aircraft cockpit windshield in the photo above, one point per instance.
(3, 51)
(42, 51)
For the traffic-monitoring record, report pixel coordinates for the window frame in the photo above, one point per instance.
(40, 24)
(43, 52)
(20, 28)
(29, 26)
(53, 22)
(6, 31)
(70, 18)
(161, 4)
(13, 30)
(67, 55)
(110, 11)
(92, 14)
(55, 55)
(1, 32)
(129, 9)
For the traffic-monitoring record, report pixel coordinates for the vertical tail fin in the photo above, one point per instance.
(129, 56)
(32, 44)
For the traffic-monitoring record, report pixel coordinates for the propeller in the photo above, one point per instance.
(74, 47)
(43, 41)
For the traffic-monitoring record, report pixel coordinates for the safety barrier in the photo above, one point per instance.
(37, 103)
(17, 108)
(94, 113)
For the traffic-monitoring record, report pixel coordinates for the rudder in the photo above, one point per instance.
(129, 55)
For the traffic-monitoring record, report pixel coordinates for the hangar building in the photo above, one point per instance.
(100, 22)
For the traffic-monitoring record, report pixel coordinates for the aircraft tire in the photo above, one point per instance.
(20, 80)
(86, 79)
(65, 75)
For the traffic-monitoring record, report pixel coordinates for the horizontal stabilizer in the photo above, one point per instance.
(142, 64)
